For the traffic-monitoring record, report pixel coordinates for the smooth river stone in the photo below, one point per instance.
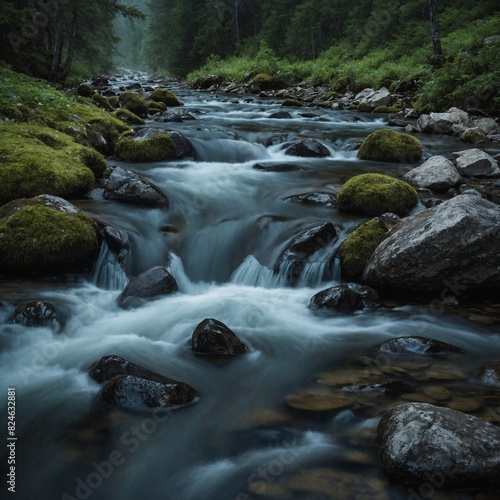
(315, 400)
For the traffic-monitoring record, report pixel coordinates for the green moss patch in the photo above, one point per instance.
(375, 194)
(359, 246)
(134, 102)
(35, 159)
(390, 145)
(38, 239)
(165, 96)
(156, 148)
(128, 117)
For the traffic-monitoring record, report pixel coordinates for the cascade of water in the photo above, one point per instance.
(108, 272)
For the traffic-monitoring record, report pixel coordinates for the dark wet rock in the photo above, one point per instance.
(394, 388)
(135, 393)
(437, 174)
(214, 338)
(281, 115)
(302, 247)
(117, 241)
(419, 441)
(417, 345)
(37, 313)
(150, 284)
(397, 122)
(308, 148)
(455, 242)
(345, 298)
(490, 375)
(433, 202)
(209, 81)
(128, 187)
(109, 367)
(281, 167)
(324, 199)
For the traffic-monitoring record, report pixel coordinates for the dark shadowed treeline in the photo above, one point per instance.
(51, 38)
(183, 33)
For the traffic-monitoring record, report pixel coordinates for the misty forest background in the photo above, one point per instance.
(339, 43)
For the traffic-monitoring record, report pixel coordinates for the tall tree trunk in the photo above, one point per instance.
(57, 46)
(436, 37)
(71, 47)
(237, 20)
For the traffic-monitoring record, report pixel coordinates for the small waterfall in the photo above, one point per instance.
(108, 272)
(228, 151)
(252, 273)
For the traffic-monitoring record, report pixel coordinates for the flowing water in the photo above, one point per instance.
(226, 226)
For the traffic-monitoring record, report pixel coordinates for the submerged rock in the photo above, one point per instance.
(308, 148)
(281, 115)
(418, 345)
(419, 441)
(214, 338)
(150, 284)
(454, 244)
(490, 375)
(437, 174)
(345, 298)
(281, 167)
(323, 199)
(38, 313)
(128, 187)
(302, 247)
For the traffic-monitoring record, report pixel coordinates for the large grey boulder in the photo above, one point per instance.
(437, 174)
(442, 123)
(477, 163)
(487, 125)
(374, 98)
(455, 242)
(420, 441)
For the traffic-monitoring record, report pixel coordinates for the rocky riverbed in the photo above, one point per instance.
(277, 289)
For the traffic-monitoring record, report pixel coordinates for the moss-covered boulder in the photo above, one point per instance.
(390, 145)
(156, 148)
(85, 90)
(114, 101)
(102, 102)
(376, 194)
(134, 102)
(36, 159)
(151, 144)
(46, 235)
(359, 246)
(91, 126)
(127, 116)
(165, 96)
(262, 81)
(156, 106)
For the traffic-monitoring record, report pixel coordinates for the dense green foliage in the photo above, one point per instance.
(335, 42)
(51, 38)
